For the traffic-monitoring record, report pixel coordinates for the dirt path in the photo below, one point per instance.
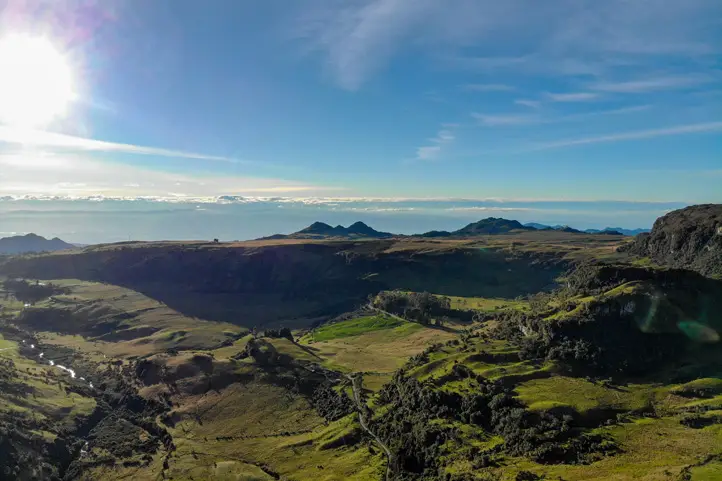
(356, 386)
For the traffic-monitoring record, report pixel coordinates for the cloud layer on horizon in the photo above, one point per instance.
(97, 219)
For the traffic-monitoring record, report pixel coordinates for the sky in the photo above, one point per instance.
(563, 111)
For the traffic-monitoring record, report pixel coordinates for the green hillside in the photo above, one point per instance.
(541, 358)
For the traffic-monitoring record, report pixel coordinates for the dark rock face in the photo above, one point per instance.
(688, 238)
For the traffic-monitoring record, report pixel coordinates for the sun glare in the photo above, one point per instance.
(36, 84)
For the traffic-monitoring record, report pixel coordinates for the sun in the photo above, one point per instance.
(36, 84)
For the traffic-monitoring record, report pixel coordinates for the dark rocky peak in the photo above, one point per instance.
(688, 238)
(359, 228)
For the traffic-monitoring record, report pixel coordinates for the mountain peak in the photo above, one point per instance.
(318, 228)
(361, 228)
(492, 225)
(323, 230)
(27, 243)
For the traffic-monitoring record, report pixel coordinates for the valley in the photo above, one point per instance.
(523, 355)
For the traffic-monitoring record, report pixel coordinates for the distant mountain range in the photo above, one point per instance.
(606, 230)
(630, 232)
(23, 244)
(488, 226)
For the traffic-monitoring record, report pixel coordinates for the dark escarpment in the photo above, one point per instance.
(294, 284)
(689, 238)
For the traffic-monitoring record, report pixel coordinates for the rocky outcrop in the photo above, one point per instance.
(689, 238)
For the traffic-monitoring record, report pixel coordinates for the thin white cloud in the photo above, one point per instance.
(359, 38)
(489, 87)
(600, 113)
(511, 120)
(635, 135)
(39, 138)
(36, 173)
(493, 209)
(431, 152)
(572, 97)
(443, 137)
(652, 84)
(534, 104)
(505, 120)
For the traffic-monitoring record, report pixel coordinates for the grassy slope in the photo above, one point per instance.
(94, 303)
(354, 327)
(266, 426)
(278, 430)
(651, 447)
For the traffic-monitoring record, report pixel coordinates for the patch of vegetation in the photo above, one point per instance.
(331, 404)
(355, 327)
(421, 307)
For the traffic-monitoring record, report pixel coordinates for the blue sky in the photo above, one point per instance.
(521, 100)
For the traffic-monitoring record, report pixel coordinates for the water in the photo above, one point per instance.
(69, 370)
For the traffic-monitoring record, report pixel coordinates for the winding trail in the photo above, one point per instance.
(356, 386)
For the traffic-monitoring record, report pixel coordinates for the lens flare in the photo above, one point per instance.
(699, 332)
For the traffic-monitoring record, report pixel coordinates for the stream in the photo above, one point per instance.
(60, 366)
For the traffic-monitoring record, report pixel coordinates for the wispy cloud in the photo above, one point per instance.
(357, 39)
(431, 152)
(26, 173)
(572, 97)
(13, 135)
(652, 84)
(634, 135)
(534, 104)
(511, 120)
(600, 113)
(505, 120)
(488, 87)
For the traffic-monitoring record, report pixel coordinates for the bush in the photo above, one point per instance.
(282, 333)
(330, 404)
